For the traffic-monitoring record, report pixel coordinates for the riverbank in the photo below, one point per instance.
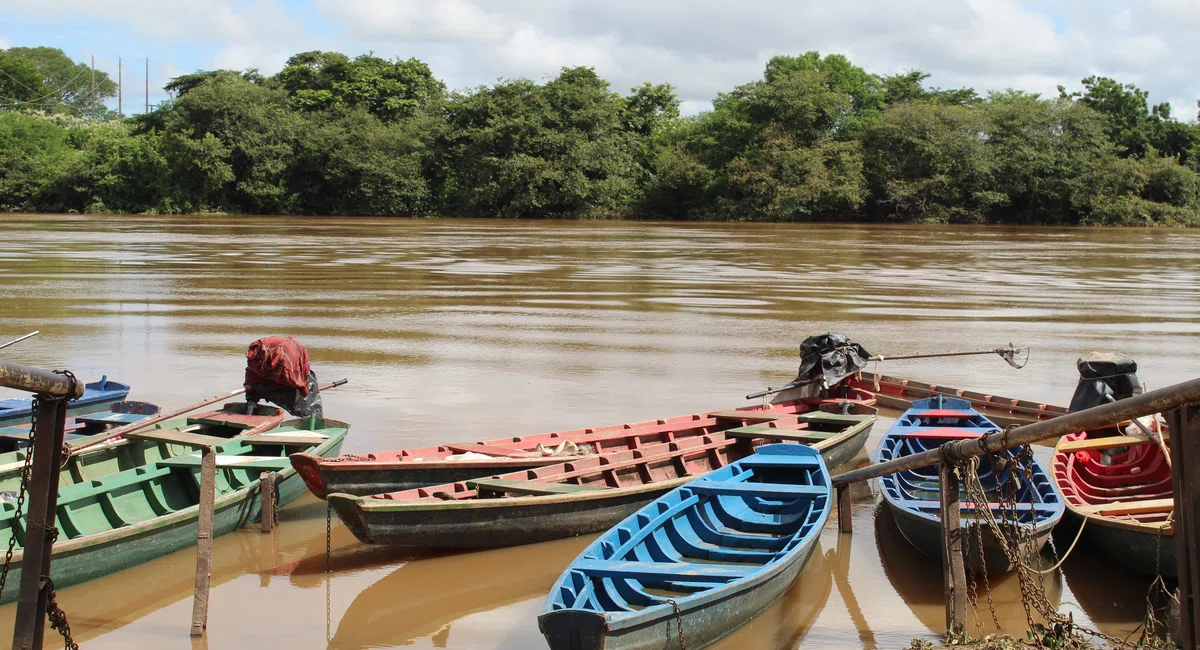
(815, 139)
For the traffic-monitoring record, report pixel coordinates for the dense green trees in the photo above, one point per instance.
(816, 138)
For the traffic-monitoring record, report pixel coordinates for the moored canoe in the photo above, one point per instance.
(899, 393)
(97, 396)
(914, 496)
(589, 494)
(1120, 489)
(131, 516)
(698, 562)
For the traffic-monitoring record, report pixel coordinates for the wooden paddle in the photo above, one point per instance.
(141, 424)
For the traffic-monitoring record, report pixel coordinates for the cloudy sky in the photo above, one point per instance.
(701, 46)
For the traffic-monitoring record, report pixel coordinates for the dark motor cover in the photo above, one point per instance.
(831, 357)
(1102, 374)
(292, 400)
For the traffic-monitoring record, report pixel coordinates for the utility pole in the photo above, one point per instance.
(93, 106)
(120, 87)
(147, 84)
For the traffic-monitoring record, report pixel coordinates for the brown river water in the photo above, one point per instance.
(457, 330)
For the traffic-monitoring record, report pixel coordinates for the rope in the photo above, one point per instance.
(1067, 554)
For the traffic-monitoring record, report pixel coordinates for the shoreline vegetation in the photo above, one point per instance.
(816, 139)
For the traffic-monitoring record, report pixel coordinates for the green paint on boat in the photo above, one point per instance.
(129, 506)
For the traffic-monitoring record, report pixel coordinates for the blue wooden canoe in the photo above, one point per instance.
(709, 555)
(914, 496)
(97, 396)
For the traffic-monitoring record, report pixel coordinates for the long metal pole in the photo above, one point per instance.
(29, 626)
(1156, 401)
(120, 87)
(147, 84)
(36, 380)
(142, 424)
(15, 341)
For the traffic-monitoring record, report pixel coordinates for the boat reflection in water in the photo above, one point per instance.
(918, 580)
(425, 596)
(1112, 596)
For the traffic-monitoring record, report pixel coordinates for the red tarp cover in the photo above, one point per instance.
(278, 361)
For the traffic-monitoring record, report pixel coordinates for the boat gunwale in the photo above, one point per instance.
(1147, 528)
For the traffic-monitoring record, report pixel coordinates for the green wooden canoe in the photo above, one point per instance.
(133, 515)
(143, 445)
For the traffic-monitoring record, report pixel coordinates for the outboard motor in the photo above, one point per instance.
(277, 371)
(1103, 375)
(827, 358)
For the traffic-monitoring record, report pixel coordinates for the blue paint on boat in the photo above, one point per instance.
(707, 556)
(97, 396)
(914, 496)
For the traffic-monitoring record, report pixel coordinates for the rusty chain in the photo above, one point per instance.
(25, 478)
(678, 623)
(58, 618)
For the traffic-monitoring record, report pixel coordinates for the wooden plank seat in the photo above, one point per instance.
(945, 433)
(529, 487)
(790, 462)
(756, 416)
(306, 438)
(1110, 442)
(778, 433)
(941, 413)
(762, 490)
(111, 418)
(492, 450)
(178, 436)
(1131, 507)
(664, 570)
(276, 463)
(831, 419)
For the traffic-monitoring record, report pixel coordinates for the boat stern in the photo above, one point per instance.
(349, 510)
(573, 629)
(308, 466)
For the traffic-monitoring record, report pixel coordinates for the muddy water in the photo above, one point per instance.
(452, 330)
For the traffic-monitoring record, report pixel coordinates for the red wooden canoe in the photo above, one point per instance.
(1121, 486)
(899, 393)
(391, 471)
(589, 494)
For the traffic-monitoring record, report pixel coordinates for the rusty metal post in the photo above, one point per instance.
(266, 483)
(844, 509)
(47, 452)
(1184, 423)
(955, 575)
(35, 380)
(204, 540)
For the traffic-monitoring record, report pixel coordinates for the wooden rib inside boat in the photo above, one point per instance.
(899, 393)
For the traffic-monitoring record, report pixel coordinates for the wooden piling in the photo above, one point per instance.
(955, 576)
(844, 508)
(204, 540)
(1185, 448)
(29, 626)
(266, 483)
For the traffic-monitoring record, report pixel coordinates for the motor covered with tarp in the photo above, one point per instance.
(827, 358)
(277, 371)
(1104, 377)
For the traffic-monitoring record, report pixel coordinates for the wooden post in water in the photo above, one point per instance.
(844, 504)
(1184, 423)
(204, 540)
(266, 483)
(952, 553)
(30, 624)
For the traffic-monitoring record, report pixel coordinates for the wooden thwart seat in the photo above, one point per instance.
(665, 570)
(178, 437)
(756, 416)
(111, 418)
(306, 438)
(763, 490)
(492, 450)
(231, 462)
(777, 433)
(1130, 507)
(1110, 442)
(529, 487)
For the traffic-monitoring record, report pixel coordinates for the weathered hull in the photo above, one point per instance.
(1144, 552)
(327, 478)
(926, 537)
(87, 558)
(703, 626)
(494, 523)
(93, 400)
(898, 393)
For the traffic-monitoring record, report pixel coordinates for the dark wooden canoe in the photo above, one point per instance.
(151, 509)
(697, 563)
(592, 493)
(393, 471)
(1121, 486)
(914, 496)
(16, 436)
(899, 393)
(97, 396)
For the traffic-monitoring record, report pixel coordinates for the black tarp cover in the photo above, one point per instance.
(1102, 374)
(292, 400)
(830, 357)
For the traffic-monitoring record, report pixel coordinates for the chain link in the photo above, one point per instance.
(328, 534)
(25, 478)
(678, 623)
(58, 618)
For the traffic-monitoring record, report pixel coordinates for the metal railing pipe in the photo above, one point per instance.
(1155, 401)
(36, 380)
